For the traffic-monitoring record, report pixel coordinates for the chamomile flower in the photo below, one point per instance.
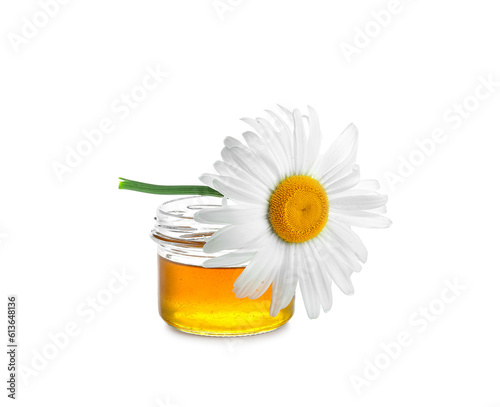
(291, 212)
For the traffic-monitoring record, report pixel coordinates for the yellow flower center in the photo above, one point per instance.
(298, 208)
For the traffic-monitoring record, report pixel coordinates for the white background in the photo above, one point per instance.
(61, 238)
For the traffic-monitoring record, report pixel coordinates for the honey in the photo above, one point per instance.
(200, 300)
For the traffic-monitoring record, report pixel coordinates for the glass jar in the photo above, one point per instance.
(200, 300)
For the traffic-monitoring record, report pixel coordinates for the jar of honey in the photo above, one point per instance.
(200, 300)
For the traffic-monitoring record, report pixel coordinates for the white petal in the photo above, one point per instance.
(232, 142)
(281, 125)
(233, 259)
(319, 277)
(254, 141)
(261, 148)
(227, 157)
(342, 147)
(345, 256)
(343, 184)
(380, 210)
(362, 219)
(234, 215)
(336, 269)
(235, 236)
(259, 288)
(353, 192)
(285, 282)
(230, 170)
(299, 142)
(342, 252)
(276, 144)
(252, 188)
(359, 202)
(251, 164)
(256, 126)
(348, 238)
(369, 184)
(314, 142)
(285, 137)
(260, 269)
(309, 295)
(207, 179)
(288, 113)
(327, 301)
(341, 166)
(237, 194)
(340, 170)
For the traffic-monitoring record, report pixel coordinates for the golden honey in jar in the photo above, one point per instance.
(200, 300)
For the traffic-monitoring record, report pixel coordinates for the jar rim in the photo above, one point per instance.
(174, 221)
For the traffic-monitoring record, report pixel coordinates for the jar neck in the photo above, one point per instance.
(178, 236)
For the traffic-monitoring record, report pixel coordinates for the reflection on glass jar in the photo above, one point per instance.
(200, 300)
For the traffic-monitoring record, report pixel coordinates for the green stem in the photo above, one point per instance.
(167, 189)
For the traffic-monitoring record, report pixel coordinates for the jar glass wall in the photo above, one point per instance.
(200, 300)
